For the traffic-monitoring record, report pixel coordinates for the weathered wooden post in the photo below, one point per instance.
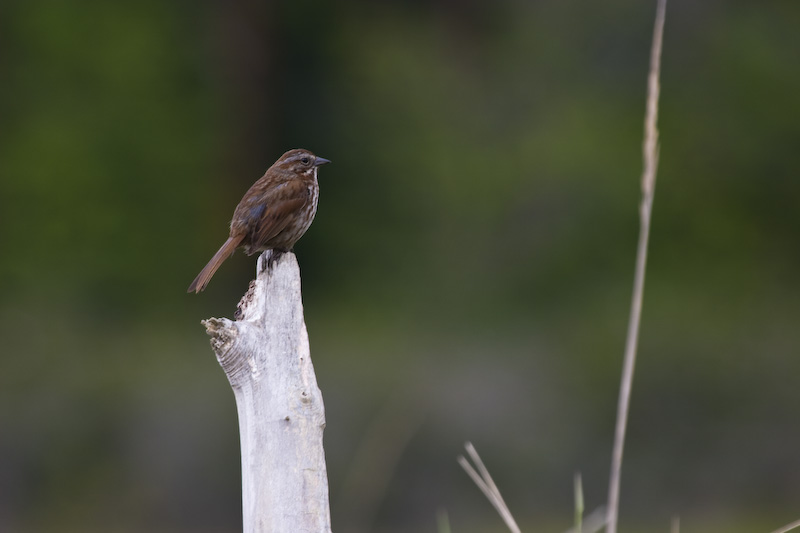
(266, 356)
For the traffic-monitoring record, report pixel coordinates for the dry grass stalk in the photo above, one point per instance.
(484, 482)
(650, 155)
(788, 527)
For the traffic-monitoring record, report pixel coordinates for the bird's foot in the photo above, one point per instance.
(268, 258)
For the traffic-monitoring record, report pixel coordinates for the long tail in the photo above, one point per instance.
(222, 254)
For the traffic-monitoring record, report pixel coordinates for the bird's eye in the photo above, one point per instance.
(304, 160)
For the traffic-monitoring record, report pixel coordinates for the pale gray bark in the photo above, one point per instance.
(266, 356)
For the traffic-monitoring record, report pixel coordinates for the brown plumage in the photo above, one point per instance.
(274, 213)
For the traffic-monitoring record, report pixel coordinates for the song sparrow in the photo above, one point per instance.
(274, 213)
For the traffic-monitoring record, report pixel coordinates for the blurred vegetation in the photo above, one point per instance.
(468, 274)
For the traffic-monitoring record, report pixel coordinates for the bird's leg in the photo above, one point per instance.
(268, 258)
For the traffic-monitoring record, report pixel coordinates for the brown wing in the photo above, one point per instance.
(275, 219)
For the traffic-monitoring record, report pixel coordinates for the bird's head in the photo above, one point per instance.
(300, 161)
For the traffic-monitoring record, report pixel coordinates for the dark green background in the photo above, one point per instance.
(468, 275)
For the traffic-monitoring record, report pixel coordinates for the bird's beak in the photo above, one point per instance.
(321, 161)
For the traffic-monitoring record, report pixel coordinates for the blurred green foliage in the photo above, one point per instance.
(468, 273)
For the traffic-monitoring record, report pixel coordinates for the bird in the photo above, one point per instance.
(274, 213)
